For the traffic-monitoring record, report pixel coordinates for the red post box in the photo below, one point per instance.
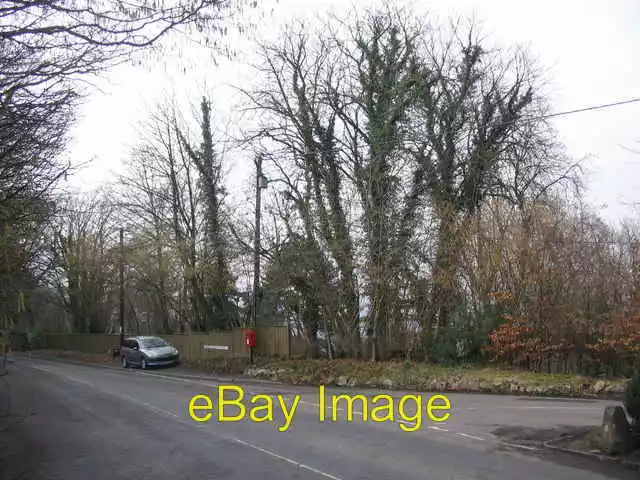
(250, 338)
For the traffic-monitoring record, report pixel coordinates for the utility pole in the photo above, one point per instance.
(121, 286)
(261, 183)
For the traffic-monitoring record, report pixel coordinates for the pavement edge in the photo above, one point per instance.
(553, 446)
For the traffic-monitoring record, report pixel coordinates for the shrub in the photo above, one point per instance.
(632, 399)
(465, 338)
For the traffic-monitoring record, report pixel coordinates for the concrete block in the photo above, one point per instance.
(616, 432)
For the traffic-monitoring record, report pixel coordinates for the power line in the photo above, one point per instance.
(584, 109)
(568, 112)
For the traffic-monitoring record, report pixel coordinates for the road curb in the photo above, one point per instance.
(550, 445)
(212, 378)
(286, 382)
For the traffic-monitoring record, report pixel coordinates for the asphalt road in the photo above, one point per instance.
(68, 421)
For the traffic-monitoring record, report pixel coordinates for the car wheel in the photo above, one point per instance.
(143, 364)
(125, 364)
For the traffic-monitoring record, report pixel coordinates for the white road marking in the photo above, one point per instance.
(439, 429)
(40, 367)
(176, 379)
(409, 424)
(293, 462)
(466, 435)
(84, 382)
(305, 402)
(163, 412)
(515, 445)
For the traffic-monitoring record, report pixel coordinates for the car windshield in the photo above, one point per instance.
(154, 343)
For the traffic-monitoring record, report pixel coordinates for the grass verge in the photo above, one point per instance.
(425, 377)
(394, 375)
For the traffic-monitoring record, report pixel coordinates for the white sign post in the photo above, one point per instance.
(217, 347)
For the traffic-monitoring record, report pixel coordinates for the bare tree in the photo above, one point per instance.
(47, 49)
(46, 46)
(468, 114)
(373, 100)
(66, 39)
(416, 122)
(299, 125)
(86, 259)
(217, 280)
(174, 190)
(160, 193)
(146, 206)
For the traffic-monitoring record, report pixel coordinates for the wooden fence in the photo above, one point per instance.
(271, 342)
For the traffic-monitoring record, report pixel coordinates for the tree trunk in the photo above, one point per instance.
(445, 294)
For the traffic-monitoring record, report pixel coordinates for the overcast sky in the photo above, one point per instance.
(588, 48)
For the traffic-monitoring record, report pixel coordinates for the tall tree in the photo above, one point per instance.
(380, 69)
(86, 263)
(47, 49)
(468, 113)
(297, 122)
(160, 192)
(217, 280)
(175, 192)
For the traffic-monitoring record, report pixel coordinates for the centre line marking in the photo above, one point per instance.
(201, 382)
(439, 429)
(466, 435)
(176, 417)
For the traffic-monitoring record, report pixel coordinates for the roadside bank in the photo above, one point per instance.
(393, 376)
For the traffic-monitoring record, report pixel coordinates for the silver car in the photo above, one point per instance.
(145, 352)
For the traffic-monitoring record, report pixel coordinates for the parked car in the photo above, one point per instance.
(145, 352)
